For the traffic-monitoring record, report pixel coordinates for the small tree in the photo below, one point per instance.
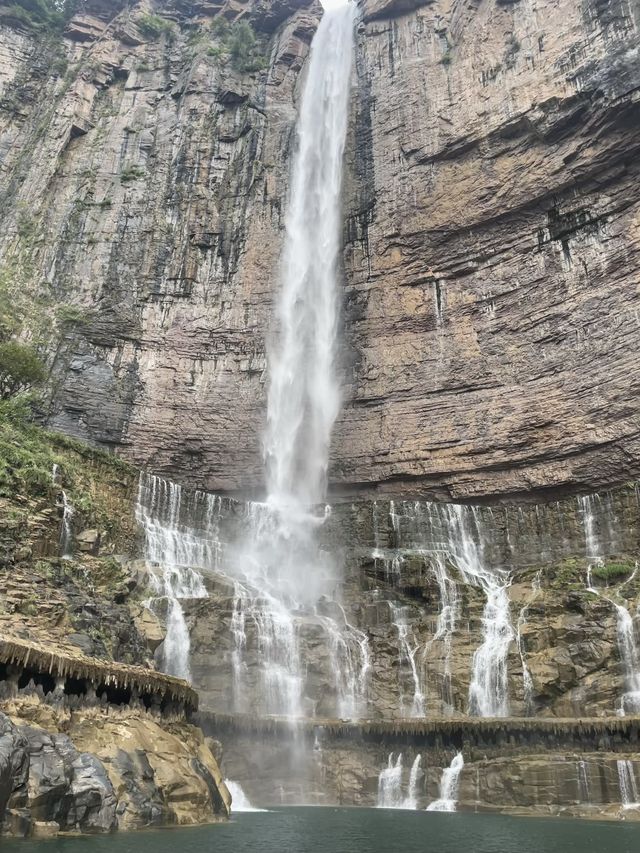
(20, 369)
(243, 48)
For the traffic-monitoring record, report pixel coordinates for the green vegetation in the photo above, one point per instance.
(511, 51)
(20, 369)
(28, 453)
(612, 571)
(44, 15)
(26, 457)
(238, 44)
(154, 27)
(131, 173)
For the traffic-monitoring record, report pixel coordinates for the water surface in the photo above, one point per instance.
(328, 830)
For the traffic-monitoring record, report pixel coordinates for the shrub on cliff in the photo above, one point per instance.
(244, 49)
(42, 14)
(153, 26)
(239, 44)
(21, 369)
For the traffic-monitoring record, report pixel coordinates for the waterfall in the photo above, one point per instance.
(627, 644)
(628, 787)
(66, 533)
(285, 572)
(583, 782)
(390, 784)
(586, 504)
(488, 690)
(449, 785)
(174, 551)
(66, 530)
(239, 800)
(453, 534)
(408, 649)
(411, 801)
(527, 681)
(631, 659)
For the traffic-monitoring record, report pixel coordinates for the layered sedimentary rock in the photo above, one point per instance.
(492, 248)
(491, 239)
(572, 767)
(143, 184)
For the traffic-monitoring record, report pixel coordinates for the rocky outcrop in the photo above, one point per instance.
(111, 771)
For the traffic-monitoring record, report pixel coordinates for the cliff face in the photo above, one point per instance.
(142, 183)
(491, 237)
(492, 255)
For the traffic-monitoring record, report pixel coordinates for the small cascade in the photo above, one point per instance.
(488, 691)
(587, 507)
(408, 650)
(628, 786)
(66, 532)
(174, 551)
(449, 785)
(583, 782)
(527, 681)
(452, 534)
(350, 663)
(626, 633)
(390, 784)
(411, 800)
(630, 655)
(239, 800)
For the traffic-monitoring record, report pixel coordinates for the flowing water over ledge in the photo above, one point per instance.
(305, 830)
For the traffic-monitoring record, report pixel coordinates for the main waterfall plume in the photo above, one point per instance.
(283, 566)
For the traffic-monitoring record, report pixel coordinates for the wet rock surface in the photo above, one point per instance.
(113, 770)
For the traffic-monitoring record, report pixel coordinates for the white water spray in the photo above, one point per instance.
(408, 650)
(239, 800)
(282, 562)
(628, 786)
(390, 784)
(174, 552)
(628, 647)
(411, 801)
(449, 785)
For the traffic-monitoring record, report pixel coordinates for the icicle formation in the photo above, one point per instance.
(174, 552)
(449, 785)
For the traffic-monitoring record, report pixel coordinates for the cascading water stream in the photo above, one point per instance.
(488, 690)
(239, 800)
(626, 632)
(174, 553)
(628, 787)
(411, 801)
(449, 785)
(285, 573)
(390, 784)
(630, 655)
(66, 530)
(408, 650)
